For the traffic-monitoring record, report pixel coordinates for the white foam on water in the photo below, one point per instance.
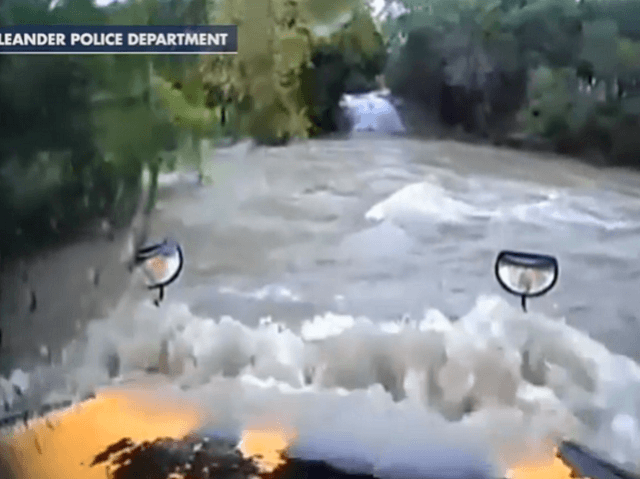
(571, 209)
(428, 199)
(372, 112)
(273, 292)
(393, 397)
(20, 379)
(490, 198)
(398, 398)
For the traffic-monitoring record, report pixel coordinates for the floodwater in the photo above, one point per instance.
(352, 280)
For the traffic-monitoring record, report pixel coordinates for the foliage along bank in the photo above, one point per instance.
(564, 70)
(77, 133)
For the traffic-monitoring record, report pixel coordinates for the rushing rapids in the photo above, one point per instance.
(343, 292)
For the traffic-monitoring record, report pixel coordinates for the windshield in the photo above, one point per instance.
(396, 240)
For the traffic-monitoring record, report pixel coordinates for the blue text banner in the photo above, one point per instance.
(118, 39)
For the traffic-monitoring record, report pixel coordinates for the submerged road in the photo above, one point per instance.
(371, 226)
(294, 231)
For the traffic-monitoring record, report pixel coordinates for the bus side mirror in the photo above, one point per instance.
(526, 274)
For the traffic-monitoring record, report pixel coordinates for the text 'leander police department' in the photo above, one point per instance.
(113, 39)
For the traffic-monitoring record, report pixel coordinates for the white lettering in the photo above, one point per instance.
(32, 39)
(216, 38)
(86, 39)
(192, 39)
(151, 39)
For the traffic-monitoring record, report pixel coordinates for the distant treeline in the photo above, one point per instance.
(562, 70)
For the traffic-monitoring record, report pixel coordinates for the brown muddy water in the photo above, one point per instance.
(282, 232)
(352, 281)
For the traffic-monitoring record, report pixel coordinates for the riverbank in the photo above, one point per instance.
(48, 297)
(583, 146)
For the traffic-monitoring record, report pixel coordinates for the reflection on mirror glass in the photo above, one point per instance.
(162, 263)
(526, 274)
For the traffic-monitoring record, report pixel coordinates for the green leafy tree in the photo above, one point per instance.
(456, 56)
(505, 46)
(77, 132)
(260, 92)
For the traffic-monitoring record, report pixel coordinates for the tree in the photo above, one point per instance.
(77, 132)
(260, 90)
